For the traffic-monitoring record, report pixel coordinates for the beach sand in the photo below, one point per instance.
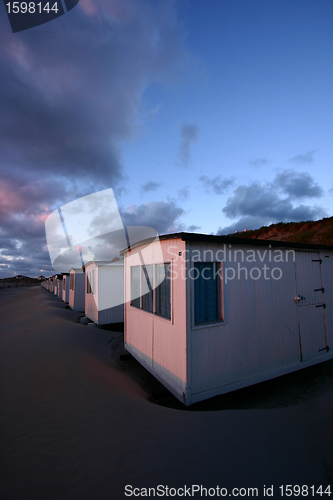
(78, 424)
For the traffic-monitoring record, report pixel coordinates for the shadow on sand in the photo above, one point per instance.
(284, 391)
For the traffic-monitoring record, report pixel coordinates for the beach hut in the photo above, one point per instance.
(65, 287)
(104, 291)
(210, 314)
(77, 289)
(58, 285)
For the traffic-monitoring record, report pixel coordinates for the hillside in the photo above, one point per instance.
(320, 232)
(22, 281)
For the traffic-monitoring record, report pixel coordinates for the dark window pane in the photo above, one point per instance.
(207, 303)
(147, 288)
(162, 292)
(88, 282)
(135, 286)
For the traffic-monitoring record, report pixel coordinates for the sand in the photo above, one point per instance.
(77, 424)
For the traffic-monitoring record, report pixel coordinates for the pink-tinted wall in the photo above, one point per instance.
(159, 343)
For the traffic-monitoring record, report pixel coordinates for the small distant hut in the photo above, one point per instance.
(104, 291)
(76, 289)
(58, 285)
(65, 287)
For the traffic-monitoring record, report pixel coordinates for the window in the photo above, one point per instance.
(207, 292)
(91, 282)
(135, 286)
(144, 296)
(71, 282)
(147, 288)
(93, 290)
(63, 284)
(162, 292)
(88, 283)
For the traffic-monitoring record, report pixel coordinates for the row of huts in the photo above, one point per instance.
(210, 314)
(97, 289)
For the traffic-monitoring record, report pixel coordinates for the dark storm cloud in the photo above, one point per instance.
(70, 95)
(258, 162)
(261, 204)
(23, 246)
(304, 157)
(160, 215)
(150, 186)
(216, 185)
(188, 134)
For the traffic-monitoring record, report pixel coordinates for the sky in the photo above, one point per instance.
(207, 116)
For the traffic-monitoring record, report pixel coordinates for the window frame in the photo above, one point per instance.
(90, 277)
(153, 308)
(215, 322)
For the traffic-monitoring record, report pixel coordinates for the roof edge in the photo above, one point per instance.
(232, 240)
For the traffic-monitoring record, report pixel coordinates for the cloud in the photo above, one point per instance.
(258, 162)
(70, 98)
(183, 193)
(193, 228)
(241, 224)
(150, 186)
(189, 134)
(216, 185)
(298, 185)
(304, 158)
(161, 215)
(261, 204)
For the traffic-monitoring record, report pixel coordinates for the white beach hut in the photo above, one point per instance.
(104, 291)
(77, 289)
(65, 287)
(58, 285)
(229, 313)
(55, 285)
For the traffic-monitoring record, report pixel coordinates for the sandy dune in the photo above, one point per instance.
(75, 424)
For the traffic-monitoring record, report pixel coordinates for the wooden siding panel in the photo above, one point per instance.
(327, 280)
(110, 292)
(260, 329)
(159, 342)
(311, 313)
(77, 295)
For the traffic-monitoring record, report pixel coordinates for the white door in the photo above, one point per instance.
(311, 306)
